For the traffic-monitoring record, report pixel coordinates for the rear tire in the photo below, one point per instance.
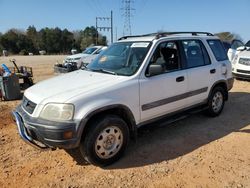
(105, 141)
(216, 101)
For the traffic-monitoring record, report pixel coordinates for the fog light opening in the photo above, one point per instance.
(68, 135)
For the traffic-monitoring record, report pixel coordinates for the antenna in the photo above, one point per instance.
(127, 15)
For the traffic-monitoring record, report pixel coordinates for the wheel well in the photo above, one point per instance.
(123, 113)
(222, 85)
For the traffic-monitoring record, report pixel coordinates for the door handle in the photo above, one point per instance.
(212, 71)
(180, 79)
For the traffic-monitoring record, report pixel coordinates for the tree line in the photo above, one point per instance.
(57, 41)
(51, 40)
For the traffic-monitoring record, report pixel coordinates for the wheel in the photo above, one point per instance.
(106, 140)
(216, 101)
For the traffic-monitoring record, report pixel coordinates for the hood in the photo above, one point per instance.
(244, 54)
(64, 87)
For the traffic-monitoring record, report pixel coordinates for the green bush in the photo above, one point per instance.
(23, 52)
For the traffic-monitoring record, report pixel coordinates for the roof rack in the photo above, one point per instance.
(164, 34)
(134, 36)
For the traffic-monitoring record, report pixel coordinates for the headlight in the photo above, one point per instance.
(57, 112)
(235, 59)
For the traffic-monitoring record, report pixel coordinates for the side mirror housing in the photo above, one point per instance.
(155, 69)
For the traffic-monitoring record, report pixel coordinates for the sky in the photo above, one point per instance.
(147, 16)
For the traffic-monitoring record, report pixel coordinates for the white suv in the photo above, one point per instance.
(78, 58)
(135, 81)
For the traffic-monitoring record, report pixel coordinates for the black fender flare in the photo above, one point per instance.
(130, 119)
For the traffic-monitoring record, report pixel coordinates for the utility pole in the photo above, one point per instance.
(104, 28)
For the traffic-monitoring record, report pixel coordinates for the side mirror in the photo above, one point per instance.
(241, 48)
(154, 69)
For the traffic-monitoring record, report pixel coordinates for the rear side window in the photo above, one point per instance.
(218, 50)
(196, 54)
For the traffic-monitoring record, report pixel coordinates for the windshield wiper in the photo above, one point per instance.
(104, 71)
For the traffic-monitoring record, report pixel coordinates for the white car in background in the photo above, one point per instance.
(76, 59)
(241, 62)
(88, 59)
(231, 48)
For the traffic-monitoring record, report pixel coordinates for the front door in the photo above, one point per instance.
(166, 92)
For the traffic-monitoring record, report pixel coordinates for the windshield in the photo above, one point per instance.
(89, 50)
(123, 58)
(248, 44)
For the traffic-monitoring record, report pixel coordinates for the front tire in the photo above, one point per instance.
(216, 101)
(105, 141)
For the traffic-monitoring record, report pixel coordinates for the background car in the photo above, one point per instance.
(231, 47)
(88, 59)
(75, 62)
(241, 62)
(76, 58)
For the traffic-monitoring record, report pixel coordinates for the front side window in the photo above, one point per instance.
(166, 55)
(196, 54)
(122, 58)
(218, 50)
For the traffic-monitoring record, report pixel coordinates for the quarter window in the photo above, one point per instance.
(218, 50)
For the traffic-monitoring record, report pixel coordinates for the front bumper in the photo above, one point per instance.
(45, 134)
(242, 76)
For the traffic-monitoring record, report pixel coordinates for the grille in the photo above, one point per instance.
(28, 105)
(243, 71)
(244, 61)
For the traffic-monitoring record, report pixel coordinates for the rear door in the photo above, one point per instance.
(200, 71)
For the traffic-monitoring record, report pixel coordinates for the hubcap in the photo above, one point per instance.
(217, 101)
(109, 142)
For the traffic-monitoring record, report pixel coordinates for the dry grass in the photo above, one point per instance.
(42, 65)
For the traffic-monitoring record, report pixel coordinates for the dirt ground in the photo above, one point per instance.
(195, 152)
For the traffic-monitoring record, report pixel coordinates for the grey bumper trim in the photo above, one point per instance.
(23, 133)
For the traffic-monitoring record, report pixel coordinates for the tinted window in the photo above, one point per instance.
(196, 54)
(218, 50)
(227, 46)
